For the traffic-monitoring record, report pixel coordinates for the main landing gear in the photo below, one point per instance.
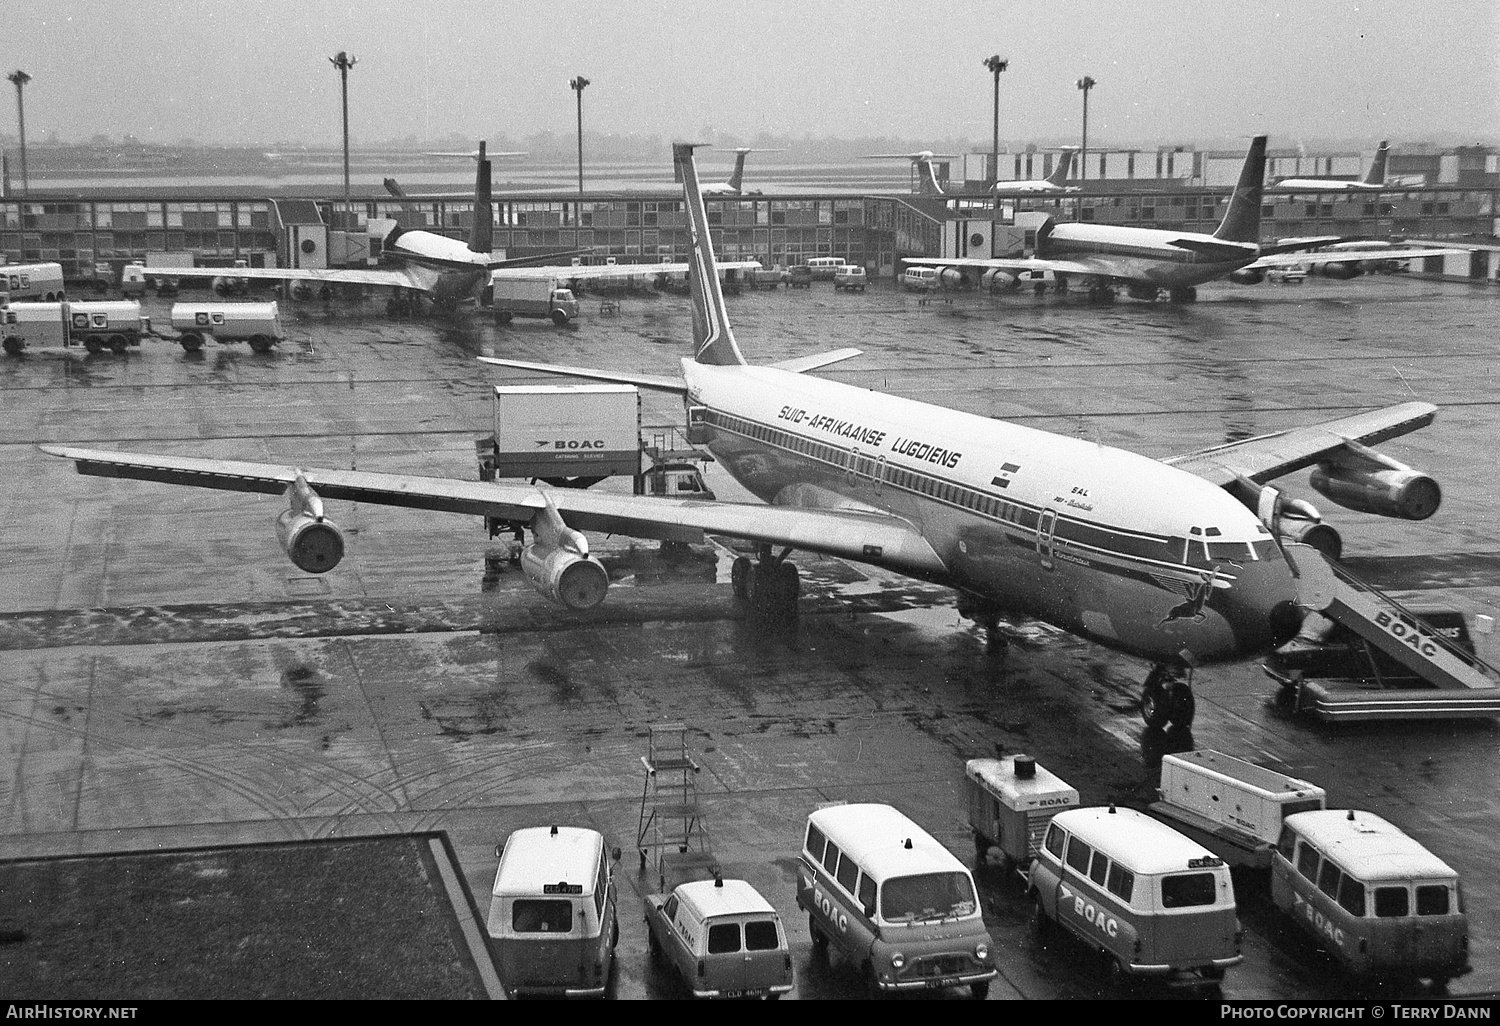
(1186, 294)
(988, 617)
(1168, 697)
(770, 584)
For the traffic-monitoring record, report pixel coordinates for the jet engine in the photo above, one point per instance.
(996, 279)
(300, 289)
(1371, 482)
(1247, 276)
(1291, 521)
(951, 278)
(558, 564)
(1338, 270)
(224, 285)
(314, 543)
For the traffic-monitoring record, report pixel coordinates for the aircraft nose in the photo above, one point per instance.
(1263, 610)
(1285, 620)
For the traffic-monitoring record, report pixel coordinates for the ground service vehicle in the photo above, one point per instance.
(94, 326)
(1371, 896)
(553, 912)
(1232, 807)
(1011, 801)
(799, 277)
(573, 434)
(722, 937)
(920, 279)
(532, 297)
(887, 895)
(165, 284)
(1150, 900)
(851, 277)
(824, 268)
(26, 282)
(257, 323)
(767, 277)
(133, 280)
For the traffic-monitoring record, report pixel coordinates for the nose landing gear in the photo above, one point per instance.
(1167, 697)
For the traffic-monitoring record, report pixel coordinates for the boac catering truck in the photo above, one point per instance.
(532, 297)
(116, 325)
(32, 281)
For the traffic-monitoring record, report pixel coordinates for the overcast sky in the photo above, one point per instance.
(257, 71)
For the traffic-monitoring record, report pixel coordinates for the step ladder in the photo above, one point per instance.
(671, 832)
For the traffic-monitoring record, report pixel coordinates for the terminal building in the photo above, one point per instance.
(1449, 195)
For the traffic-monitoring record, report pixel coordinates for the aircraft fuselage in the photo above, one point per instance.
(1162, 258)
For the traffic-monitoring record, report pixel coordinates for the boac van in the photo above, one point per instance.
(553, 912)
(887, 895)
(1150, 900)
(1371, 896)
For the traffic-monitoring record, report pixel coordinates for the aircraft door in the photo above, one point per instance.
(879, 478)
(1046, 524)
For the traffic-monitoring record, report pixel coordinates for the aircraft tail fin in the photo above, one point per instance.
(738, 177)
(482, 235)
(1376, 174)
(713, 339)
(1242, 220)
(929, 185)
(1059, 175)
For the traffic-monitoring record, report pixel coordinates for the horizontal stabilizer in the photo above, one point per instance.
(655, 382)
(803, 364)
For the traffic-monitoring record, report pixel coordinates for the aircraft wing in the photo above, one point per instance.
(390, 276)
(655, 382)
(1266, 457)
(869, 537)
(595, 272)
(1346, 256)
(1012, 265)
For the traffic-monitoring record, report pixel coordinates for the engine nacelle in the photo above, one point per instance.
(1392, 491)
(574, 580)
(300, 289)
(1338, 270)
(226, 286)
(1247, 276)
(951, 278)
(1293, 521)
(314, 543)
(996, 279)
(1313, 533)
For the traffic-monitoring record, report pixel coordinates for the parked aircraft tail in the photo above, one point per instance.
(1059, 175)
(713, 339)
(1242, 220)
(1376, 174)
(482, 235)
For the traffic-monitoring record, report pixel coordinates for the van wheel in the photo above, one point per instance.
(819, 938)
(652, 944)
(1041, 926)
(1119, 976)
(872, 982)
(14, 345)
(559, 318)
(980, 990)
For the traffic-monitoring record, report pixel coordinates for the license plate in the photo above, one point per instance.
(943, 981)
(744, 993)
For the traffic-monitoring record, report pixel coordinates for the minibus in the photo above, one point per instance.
(1150, 900)
(1371, 896)
(824, 268)
(888, 896)
(553, 912)
(921, 279)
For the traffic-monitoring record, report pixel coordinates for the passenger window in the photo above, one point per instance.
(1352, 896)
(760, 935)
(1185, 890)
(1307, 861)
(831, 856)
(723, 938)
(1121, 882)
(848, 873)
(866, 892)
(815, 842)
(1055, 838)
(536, 915)
(1099, 870)
(1078, 855)
(1328, 878)
(1432, 900)
(1391, 902)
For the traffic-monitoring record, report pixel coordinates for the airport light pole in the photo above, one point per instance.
(996, 65)
(577, 85)
(20, 78)
(344, 62)
(1085, 83)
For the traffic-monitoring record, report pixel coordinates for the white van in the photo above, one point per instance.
(920, 279)
(824, 268)
(553, 912)
(886, 894)
(1151, 900)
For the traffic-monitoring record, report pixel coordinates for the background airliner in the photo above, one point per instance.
(1374, 179)
(1052, 185)
(1149, 261)
(1178, 562)
(734, 186)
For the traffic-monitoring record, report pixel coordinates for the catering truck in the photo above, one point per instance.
(532, 297)
(256, 323)
(116, 325)
(42, 282)
(1233, 808)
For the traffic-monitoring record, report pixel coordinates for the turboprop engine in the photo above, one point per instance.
(1361, 479)
(558, 564)
(313, 542)
(1247, 276)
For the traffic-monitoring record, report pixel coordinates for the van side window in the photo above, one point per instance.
(1099, 869)
(1121, 882)
(1078, 855)
(1328, 878)
(1432, 899)
(1391, 902)
(848, 873)
(866, 892)
(831, 856)
(815, 842)
(1352, 896)
(1055, 838)
(1307, 860)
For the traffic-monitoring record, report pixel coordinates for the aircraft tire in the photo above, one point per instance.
(1184, 706)
(739, 576)
(1154, 706)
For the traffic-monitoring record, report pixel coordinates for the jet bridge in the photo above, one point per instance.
(1364, 656)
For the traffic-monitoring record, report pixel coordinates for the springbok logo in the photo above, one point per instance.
(1198, 594)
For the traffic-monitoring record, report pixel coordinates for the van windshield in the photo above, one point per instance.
(929, 896)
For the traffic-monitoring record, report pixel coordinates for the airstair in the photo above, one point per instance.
(1458, 682)
(671, 831)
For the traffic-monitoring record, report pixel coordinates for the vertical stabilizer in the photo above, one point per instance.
(482, 235)
(1059, 175)
(1242, 220)
(929, 184)
(713, 340)
(738, 177)
(1376, 174)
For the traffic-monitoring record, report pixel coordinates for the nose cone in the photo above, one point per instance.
(1286, 621)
